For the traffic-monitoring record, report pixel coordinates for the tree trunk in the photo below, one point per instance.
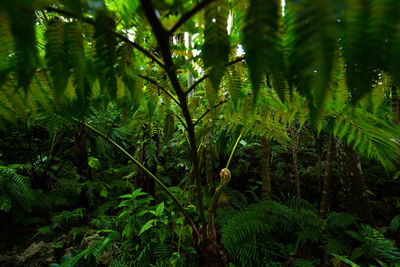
(80, 135)
(265, 168)
(294, 157)
(352, 181)
(327, 180)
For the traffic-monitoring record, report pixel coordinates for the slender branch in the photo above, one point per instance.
(182, 122)
(119, 35)
(150, 80)
(162, 37)
(205, 76)
(188, 15)
(152, 176)
(208, 110)
(234, 148)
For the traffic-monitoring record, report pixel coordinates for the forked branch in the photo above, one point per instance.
(188, 15)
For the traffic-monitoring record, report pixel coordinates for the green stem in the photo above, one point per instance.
(152, 176)
(234, 149)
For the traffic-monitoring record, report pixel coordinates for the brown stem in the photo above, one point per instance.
(265, 168)
(205, 76)
(294, 158)
(328, 177)
(150, 80)
(188, 15)
(208, 110)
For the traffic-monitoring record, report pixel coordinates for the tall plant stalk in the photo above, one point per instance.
(328, 177)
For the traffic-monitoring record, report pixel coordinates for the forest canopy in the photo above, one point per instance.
(200, 133)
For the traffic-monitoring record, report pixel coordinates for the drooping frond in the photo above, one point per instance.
(313, 30)
(262, 45)
(215, 50)
(369, 135)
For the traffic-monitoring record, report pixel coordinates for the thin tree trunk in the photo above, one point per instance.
(328, 177)
(395, 104)
(352, 181)
(265, 168)
(80, 135)
(209, 161)
(294, 158)
(208, 246)
(319, 141)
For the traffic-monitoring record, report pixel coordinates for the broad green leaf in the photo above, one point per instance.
(94, 163)
(160, 209)
(147, 226)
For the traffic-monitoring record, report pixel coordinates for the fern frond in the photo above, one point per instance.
(312, 38)
(369, 135)
(105, 52)
(215, 51)
(22, 23)
(56, 57)
(262, 45)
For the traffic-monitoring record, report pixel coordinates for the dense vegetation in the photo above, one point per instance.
(199, 133)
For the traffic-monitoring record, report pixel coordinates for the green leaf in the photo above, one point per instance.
(163, 233)
(94, 163)
(160, 209)
(215, 51)
(138, 193)
(356, 253)
(103, 192)
(147, 226)
(126, 196)
(395, 223)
